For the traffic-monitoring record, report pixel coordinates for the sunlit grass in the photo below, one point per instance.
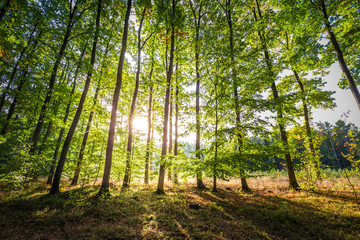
(271, 211)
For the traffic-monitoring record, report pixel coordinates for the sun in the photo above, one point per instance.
(140, 124)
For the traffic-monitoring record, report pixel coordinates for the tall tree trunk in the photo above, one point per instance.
(148, 140)
(160, 186)
(216, 139)
(67, 111)
(307, 124)
(293, 184)
(48, 97)
(176, 180)
(56, 181)
(170, 130)
(4, 8)
(339, 54)
(126, 182)
(88, 126)
(197, 18)
(244, 185)
(110, 143)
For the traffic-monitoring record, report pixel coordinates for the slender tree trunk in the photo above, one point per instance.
(152, 139)
(148, 140)
(88, 126)
(110, 143)
(176, 180)
(48, 97)
(339, 54)
(307, 124)
(75, 179)
(56, 181)
(244, 185)
(170, 130)
(4, 8)
(67, 111)
(126, 182)
(197, 18)
(293, 184)
(216, 139)
(160, 187)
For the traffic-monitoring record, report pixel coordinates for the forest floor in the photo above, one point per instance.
(271, 211)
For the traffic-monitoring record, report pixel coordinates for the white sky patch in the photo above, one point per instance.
(343, 99)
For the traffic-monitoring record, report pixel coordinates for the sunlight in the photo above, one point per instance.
(140, 124)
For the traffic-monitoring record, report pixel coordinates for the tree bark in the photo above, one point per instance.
(110, 143)
(293, 184)
(160, 186)
(148, 140)
(126, 182)
(56, 181)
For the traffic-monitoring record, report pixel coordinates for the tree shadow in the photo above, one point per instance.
(141, 214)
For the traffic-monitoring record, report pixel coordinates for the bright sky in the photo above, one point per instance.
(343, 99)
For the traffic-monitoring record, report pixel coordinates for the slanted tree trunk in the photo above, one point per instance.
(88, 127)
(126, 182)
(59, 56)
(307, 124)
(110, 143)
(148, 140)
(160, 186)
(293, 184)
(56, 181)
(75, 179)
(322, 7)
(67, 111)
(197, 19)
(244, 185)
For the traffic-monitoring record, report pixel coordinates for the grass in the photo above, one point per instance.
(269, 212)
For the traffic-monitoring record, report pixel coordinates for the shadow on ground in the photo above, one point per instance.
(140, 214)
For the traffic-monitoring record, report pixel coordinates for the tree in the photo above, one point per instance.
(73, 18)
(321, 6)
(140, 46)
(160, 186)
(104, 190)
(56, 181)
